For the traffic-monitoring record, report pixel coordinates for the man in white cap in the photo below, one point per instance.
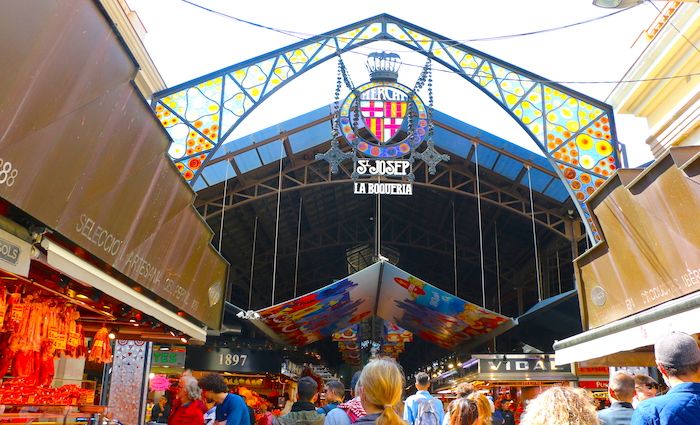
(678, 359)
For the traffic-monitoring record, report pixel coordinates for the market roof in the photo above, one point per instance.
(316, 231)
(312, 129)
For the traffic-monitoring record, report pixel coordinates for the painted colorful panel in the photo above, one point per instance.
(317, 315)
(431, 313)
(412, 305)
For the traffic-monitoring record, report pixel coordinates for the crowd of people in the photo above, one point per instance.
(376, 397)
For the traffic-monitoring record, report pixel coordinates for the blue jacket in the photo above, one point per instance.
(680, 406)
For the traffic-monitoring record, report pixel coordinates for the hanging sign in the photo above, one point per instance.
(379, 167)
(384, 122)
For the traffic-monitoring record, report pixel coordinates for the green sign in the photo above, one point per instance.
(168, 358)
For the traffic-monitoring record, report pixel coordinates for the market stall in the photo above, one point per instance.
(42, 330)
(261, 376)
(74, 338)
(517, 378)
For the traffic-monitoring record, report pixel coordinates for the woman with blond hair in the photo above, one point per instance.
(483, 407)
(380, 386)
(462, 390)
(465, 411)
(561, 406)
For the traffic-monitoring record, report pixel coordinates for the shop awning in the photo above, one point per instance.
(390, 293)
(640, 330)
(80, 270)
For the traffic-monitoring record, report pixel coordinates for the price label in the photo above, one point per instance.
(17, 312)
(53, 333)
(60, 343)
(73, 339)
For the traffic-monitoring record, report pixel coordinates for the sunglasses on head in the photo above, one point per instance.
(649, 386)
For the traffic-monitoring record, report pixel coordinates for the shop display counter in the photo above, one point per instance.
(66, 415)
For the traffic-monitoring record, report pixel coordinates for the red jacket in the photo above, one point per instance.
(188, 414)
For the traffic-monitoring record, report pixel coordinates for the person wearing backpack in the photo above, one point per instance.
(422, 408)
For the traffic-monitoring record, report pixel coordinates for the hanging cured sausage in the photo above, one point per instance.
(35, 330)
(101, 351)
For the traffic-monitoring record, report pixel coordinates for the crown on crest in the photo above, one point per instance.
(383, 66)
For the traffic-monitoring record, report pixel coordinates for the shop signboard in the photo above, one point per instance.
(168, 358)
(87, 157)
(593, 371)
(544, 365)
(523, 367)
(240, 360)
(15, 254)
(593, 385)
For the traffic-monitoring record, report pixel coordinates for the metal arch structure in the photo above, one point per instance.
(575, 132)
(449, 177)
